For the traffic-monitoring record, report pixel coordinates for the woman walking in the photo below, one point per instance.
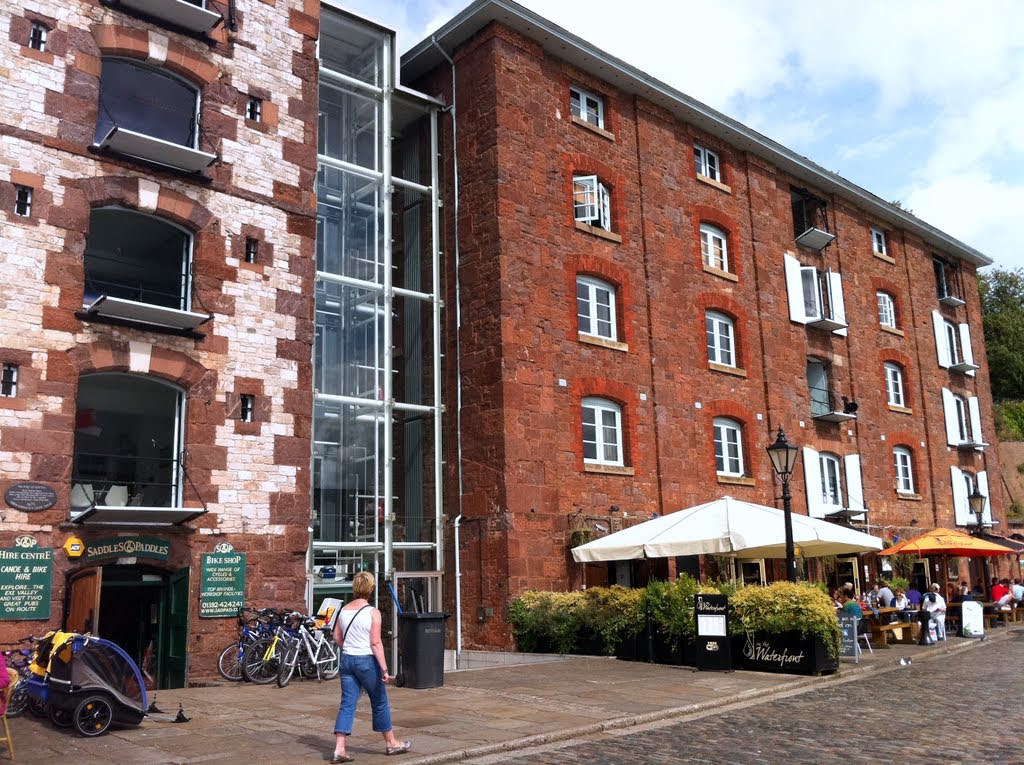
(363, 667)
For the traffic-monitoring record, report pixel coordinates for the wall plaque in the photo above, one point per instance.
(30, 497)
(222, 587)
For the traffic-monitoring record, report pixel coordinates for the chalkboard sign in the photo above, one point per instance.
(222, 587)
(26, 581)
(714, 647)
(848, 636)
(30, 497)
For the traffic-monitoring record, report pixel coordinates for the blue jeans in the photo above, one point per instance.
(360, 673)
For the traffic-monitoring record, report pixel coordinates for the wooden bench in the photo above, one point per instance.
(883, 630)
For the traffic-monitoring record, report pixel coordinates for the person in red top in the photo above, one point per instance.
(998, 590)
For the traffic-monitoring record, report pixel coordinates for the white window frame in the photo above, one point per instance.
(962, 418)
(952, 334)
(886, 309)
(878, 242)
(903, 465)
(714, 247)
(591, 201)
(588, 309)
(830, 468)
(598, 407)
(719, 327)
(894, 384)
(38, 34)
(941, 272)
(9, 380)
(707, 163)
(728, 433)
(809, 288)
(246, 407)
(23, 201)
(580, 106)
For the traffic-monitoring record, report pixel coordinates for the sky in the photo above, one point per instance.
(920, 101)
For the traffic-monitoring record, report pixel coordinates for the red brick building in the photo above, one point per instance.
(648, 291)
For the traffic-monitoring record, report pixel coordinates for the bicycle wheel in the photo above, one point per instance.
(19, 701)
(229, 665)
(37, 707)
(261, 659)
(286, 667)
(328, 659)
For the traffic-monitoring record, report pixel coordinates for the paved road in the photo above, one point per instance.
(965, 708)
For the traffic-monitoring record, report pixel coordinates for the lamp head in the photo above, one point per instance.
(976, 500)
(783, 455)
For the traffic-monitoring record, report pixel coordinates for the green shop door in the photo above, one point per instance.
(174, 637)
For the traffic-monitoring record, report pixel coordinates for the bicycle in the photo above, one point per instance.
(19, 659)
(252, 625)
(262, 658)
(312, 651)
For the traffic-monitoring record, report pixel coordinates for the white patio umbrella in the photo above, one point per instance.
(723, 527)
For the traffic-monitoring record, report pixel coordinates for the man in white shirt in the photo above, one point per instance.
(885, 595)
(1018, 592)
(935, 604)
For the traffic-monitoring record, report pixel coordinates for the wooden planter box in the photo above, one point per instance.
(784, 652)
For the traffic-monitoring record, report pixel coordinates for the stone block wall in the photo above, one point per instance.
(252, 477)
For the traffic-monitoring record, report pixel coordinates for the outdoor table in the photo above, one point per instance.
(881, 627)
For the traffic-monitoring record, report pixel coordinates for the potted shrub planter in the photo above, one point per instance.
(784, 652)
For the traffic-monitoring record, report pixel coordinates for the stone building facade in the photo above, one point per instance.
(159, 216)
(648, 292)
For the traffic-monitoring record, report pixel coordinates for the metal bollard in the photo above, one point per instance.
(925, 619)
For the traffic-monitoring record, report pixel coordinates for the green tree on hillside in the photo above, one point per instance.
(1002, 308)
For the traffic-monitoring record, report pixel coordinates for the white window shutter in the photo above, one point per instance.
(961, 508)
(854, 484)
(794, 289)
(966, 353)
(812, 484)
(986, 515)
(604, 202)
(836, 303)
(941, 348)
(975, 409)
(952, 424)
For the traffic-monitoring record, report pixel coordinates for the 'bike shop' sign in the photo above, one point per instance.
(222, 588)
(26, 580)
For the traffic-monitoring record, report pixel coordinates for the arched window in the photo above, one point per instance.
(728, 447)
(904, 465)
(886, 309)
(713, 247)
(138, 257)
(595, 308)
(602, 432)
(720, 331)
(894, 384)
(149, 101)
(128, 443)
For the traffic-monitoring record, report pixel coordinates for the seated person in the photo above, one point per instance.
(851, 606)
(900, 601)
(999, 589)
(1017, 589)
(914, 596)
(935, 604)
(885, 595)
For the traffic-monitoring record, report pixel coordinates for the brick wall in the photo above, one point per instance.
(525, 369)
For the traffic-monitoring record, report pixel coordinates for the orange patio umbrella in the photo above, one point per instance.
(947, 542)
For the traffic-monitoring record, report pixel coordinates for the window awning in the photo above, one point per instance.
(100, 515)
(815, 239)
(146, 313)
(132, 144)
(190, 16)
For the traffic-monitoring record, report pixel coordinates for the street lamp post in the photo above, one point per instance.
(783, 455)
(976, 501)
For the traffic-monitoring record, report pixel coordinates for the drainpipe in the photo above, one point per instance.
(458, 363)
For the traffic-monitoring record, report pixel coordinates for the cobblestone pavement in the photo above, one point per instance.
(965, 708)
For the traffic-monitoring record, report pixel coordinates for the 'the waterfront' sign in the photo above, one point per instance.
(127, 547)
(26, 582)
(222, 587)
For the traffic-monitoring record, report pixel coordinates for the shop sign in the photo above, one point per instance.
(26, 580)
(222, 586)
(30, 497)
(127, 547)
(714, 646)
